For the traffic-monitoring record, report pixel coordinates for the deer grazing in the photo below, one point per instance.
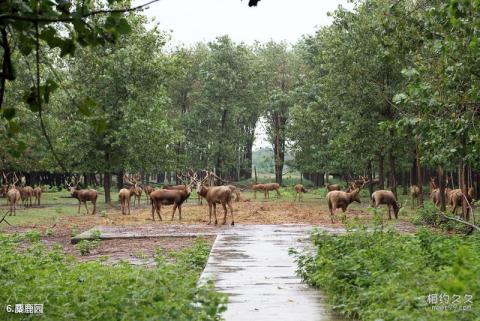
(37, 193)
(217, 195)
(415, 193)
(387, 198)
(124, 197)
(257, 187)
(299, 190)
(175, 197)
(84, 196)
(271, 187)
(13, 195)
(340, 199)
(332, 187)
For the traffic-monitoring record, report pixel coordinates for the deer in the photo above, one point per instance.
(271, 187)
(299, 190)
(84, 196)
(257, 187)
(13, 195)
(26, 193)
(37, 193)
(341, 199)
(415, 193)
(332, 187)
(217, 195)
(388, 198)
(148, 190)
(135, 190)
(175, 197)
(455, 199)
(124, 197)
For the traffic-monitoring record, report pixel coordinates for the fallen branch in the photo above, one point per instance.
(459, 221)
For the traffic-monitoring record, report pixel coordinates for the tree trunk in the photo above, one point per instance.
(381, 172)
(370, 177)
(392, 182)
(419, 175)
(107, 182)
(120, 179)
(441, 181)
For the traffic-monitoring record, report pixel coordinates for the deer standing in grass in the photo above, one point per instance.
(299, 190)
(148, 190)
(124, 197)
(340, 199)
(257, 187)
(271, 187)
(388, 198)
(84, 196)
(415, 193)
(13, 195)
(332, 187)
(176, 198)
(37, 193)
(217, 195)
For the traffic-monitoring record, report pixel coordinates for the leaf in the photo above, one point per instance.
(67, 47)
(100, 125)
(85, 108)
(123, 27)
(50, 86)
(8, 113)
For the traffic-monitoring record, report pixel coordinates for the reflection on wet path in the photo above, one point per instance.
(251, 264)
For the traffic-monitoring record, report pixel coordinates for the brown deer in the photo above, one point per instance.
(332, 187)
(13, 195)
(386, 197)
(148, 190)
(257, 187)
(217, 195)
(471, 193)
(176, 198)
(271, 187)
(415, 193)
(124, 197)
(299, 190)
(26, 193)
(84, 196)
(135, 190)
(340, 199)
(37, 193)
(455, 199)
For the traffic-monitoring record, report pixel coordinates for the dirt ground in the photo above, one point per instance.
(141, 251)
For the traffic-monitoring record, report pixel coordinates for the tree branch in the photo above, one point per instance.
(37, 19)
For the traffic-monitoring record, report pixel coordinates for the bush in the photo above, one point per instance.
(388, 276)
(72, 290)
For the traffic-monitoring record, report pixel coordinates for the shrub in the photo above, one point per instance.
(74, 290)
(387, 276)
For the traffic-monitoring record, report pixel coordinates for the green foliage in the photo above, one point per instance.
(96, 291)
(85, 247)
(388, 276)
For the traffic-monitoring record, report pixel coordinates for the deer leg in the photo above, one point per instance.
(209, 213)
(154, 208)
(231, 211)
(332, 212)
(389, 214)
(255, 194)
(159, 208)
(215, 212)
(94, 206)
(174, 209)
(128, 206)
(79, 203)
(86, 207)
(180, 212)
(225, 214)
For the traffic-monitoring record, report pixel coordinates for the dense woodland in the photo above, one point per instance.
(388, 90)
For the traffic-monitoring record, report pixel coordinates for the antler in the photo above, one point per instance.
(15, 179)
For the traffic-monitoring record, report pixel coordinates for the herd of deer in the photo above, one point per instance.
(176, 195)
(336, 198)
(16, 194)
(453, 197)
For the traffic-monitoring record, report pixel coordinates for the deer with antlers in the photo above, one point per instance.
(173, 197)
(83, 196)
(13, 195)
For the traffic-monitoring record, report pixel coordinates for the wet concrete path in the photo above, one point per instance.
(252, 265)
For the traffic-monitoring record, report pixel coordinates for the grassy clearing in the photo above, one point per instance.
(93, 290)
